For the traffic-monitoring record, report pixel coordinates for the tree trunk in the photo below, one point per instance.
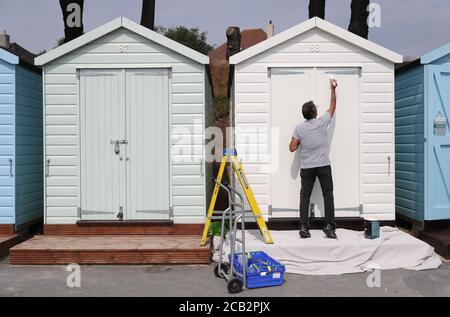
(233, 41)
(72, 11)
(148, 14)
(358, 20)
(317, 9)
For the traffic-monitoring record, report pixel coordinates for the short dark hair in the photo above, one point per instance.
(309, 110)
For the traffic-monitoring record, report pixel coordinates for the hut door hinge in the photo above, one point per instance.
(171, 212)
(79, 213)
(270, 210)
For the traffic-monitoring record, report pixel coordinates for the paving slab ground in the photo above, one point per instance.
(181, 281)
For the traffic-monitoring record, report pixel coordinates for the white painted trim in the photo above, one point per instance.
(79, 138)
(170, 146)
(78, 42)
(44, 144)
(112, 26)
(203, 162)
(359, 41)
(435, 55)
(324, 26)
(189, 220)
(316, 65)
(122, 66)
(165, 41)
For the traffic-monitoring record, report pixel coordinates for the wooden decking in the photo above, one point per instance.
(6, 230)
(105, 249)
(123, 228)
(7, 242)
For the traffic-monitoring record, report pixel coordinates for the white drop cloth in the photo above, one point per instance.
(351, 253)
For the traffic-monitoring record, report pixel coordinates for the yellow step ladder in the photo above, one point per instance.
(238, 169)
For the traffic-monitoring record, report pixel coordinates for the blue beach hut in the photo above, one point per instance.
(21, 159)
(422, 110)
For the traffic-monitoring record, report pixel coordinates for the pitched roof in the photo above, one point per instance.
(436, 54)
(8, 57)
(249, 38)
(316, 23)
(220, 69)
(115, 24)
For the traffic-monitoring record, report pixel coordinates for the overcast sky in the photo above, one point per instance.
(410, 27)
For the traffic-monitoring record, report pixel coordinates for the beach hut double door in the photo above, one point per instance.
(124, 124)
(290, 88)
(438, 143)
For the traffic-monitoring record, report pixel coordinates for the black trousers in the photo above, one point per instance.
(326, 182)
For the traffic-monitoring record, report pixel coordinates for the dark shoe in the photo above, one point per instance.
(304, 232)
(330, 231)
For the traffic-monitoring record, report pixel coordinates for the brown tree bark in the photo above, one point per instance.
(358, 21)
(233, 41)
(317, 9)
(71, 32)
(148, 14)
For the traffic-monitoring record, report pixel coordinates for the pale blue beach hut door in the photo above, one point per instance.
(438, 140)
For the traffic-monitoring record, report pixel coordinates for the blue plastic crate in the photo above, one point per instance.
(262, 270)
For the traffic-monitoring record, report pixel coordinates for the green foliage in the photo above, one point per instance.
(60, 41)
(192, 37)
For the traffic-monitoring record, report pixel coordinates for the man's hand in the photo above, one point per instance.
(334, 84)
(294, 145)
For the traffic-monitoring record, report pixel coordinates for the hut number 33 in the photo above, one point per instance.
(123, 49)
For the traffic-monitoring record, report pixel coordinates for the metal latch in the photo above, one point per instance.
(120, 214)
(117, 144)
(440, 125)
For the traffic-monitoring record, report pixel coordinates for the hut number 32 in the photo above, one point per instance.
(123, 49)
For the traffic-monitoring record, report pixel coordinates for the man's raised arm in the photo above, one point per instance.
(333, 102)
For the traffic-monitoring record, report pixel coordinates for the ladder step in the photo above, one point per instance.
(254, 207)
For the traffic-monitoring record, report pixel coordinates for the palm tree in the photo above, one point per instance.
(71, 15)
(358, 20)
(148, 14)
(317, 9)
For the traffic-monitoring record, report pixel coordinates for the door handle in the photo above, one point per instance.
(11, 168)
(389, 165)
(201, 167)
(47, 168)
(125, 142)
(116, 144)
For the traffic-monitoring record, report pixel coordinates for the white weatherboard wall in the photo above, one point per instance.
(314, 48)
(124, 47)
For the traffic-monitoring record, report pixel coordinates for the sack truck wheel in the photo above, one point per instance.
(216, 271)
(235, 286)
